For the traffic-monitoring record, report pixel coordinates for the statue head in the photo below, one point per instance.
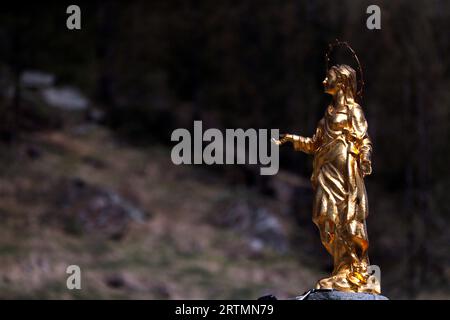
(341, 77)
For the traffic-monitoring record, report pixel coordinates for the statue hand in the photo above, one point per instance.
(366, 167)
(283, 138)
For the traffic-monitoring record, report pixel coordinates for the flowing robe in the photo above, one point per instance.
(340, 204)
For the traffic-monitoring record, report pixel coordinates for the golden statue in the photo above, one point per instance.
(342, 149)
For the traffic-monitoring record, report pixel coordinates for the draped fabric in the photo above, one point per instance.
(340, 200)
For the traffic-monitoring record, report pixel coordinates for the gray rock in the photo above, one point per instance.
(36, 79)
(84, 208)
(67, 98)
(338, 295)
(262, 226)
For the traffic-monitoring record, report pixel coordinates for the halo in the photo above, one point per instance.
(338, 43)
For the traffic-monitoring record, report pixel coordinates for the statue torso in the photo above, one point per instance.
(336, 120)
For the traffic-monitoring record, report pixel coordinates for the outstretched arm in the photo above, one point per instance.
(305, 144)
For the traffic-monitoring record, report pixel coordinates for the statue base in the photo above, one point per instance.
(324, 294)
(338, 295)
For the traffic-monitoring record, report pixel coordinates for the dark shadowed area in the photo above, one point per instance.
(86, 176)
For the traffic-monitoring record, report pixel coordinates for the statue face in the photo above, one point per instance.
(330, 82)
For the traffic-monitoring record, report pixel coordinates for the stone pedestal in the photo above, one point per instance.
(321, 294)
(338, 295)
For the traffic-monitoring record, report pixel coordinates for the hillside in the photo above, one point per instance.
(179, 236)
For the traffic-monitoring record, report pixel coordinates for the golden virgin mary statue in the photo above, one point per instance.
(342, 149)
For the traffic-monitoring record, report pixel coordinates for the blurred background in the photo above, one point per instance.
(86, 176)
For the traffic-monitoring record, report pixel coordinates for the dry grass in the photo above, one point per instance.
(174, 253)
